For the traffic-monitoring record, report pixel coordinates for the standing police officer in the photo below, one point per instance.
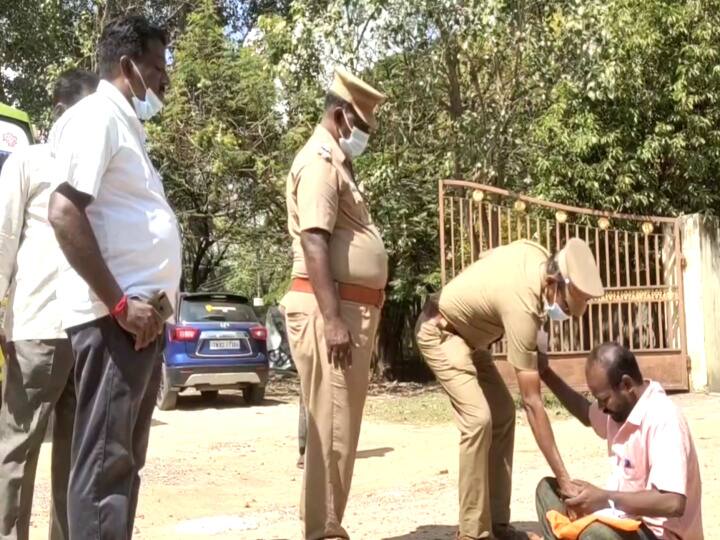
(333, 307)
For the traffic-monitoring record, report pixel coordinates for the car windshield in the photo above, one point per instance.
(212, 309)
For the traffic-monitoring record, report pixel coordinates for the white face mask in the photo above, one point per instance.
(150, 106)
(554, 311)
(356, 144)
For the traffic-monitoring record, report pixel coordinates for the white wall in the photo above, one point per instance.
(701, 281)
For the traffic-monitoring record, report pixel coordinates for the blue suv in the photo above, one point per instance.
(216, 344)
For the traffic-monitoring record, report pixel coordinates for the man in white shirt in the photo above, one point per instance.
(38, 372)
(122, 243)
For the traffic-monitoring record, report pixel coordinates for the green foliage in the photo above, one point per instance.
(632, 120)
(215, 145)
(610, 104)
(40, 40)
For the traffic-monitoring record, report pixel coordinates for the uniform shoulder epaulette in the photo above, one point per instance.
(325, 152)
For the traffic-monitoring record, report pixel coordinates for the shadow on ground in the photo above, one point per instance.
(447, 532)
(196, 402)
(375, 452)
(528, 526)
(428, 532)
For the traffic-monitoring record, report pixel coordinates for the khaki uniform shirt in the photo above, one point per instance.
(500, 294)
(322, 194)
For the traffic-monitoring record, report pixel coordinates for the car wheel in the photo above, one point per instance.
(166, 397)
(254, 394)
(209, 395)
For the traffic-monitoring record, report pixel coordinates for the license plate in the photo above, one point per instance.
(224, 345)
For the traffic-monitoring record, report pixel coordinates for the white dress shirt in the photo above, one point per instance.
(29, 253)
(99, 149)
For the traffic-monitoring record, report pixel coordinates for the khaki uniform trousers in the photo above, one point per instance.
(38, 385)
(485, 415)
(335, 400)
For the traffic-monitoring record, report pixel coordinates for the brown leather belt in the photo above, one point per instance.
(350, 293)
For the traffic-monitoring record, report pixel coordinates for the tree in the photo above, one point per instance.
(215, 144)
(605, 104)
(633, 119)
(37, 38)
(43, 39)
(609, 104)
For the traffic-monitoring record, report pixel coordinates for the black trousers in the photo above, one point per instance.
(116, 388)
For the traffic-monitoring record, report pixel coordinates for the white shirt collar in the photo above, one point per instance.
(111, 92)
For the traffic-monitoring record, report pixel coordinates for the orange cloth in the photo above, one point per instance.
(564, 529)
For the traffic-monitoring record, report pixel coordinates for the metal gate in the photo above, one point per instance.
(640, 264)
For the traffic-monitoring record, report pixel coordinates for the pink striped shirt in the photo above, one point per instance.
(653, 449)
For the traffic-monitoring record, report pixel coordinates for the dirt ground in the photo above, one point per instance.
(227, 471)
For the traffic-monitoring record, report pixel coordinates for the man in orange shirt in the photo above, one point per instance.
(655, 473)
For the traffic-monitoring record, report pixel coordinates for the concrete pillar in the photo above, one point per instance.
(701, 280)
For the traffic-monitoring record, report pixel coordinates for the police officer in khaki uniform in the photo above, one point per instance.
(333, 306)
(512, 290)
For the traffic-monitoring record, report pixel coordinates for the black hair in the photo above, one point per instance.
(552, 267)
(73, 85)
(332, 101)
(126, 36)
(617, 361)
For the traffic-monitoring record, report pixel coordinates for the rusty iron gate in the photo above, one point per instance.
(640, 264)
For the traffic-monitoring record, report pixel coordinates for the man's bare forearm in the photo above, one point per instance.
(315, 246)
(529, 383)
(543, 433)
(77, 241)
(573, 401)
(651, 503)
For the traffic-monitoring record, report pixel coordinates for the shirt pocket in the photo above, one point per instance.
(631, 466)
(357, 209)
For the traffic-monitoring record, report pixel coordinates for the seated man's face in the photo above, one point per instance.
(616, 402)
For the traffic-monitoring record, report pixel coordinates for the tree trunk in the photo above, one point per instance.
(396, 356)
(388, 352)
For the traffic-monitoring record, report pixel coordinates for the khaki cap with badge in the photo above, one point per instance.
(578, 267)
(363, 97)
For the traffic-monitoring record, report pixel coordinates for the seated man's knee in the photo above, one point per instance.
(598, 531)
(547, 487)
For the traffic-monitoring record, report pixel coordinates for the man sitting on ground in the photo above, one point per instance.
(655, 476)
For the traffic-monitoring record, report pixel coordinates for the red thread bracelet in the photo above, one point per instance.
(120, 308)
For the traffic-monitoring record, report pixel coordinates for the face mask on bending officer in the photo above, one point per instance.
(572, 279)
